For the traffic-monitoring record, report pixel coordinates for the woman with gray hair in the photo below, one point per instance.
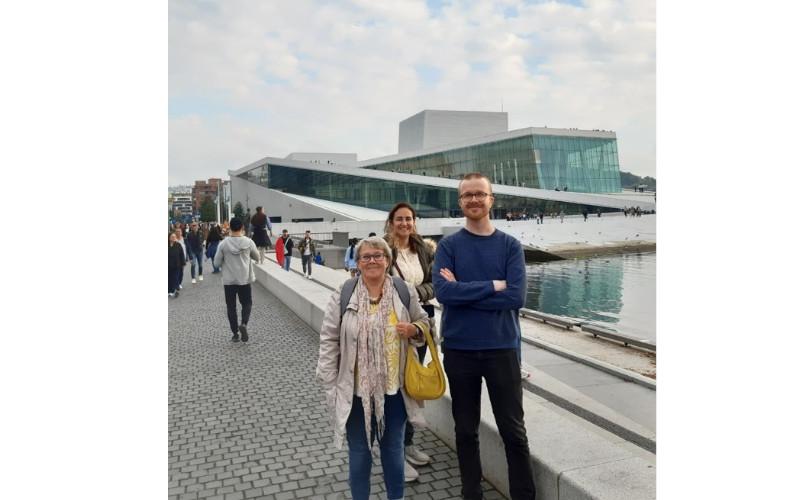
(362, 356)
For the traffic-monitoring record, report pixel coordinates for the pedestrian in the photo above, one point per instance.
(235, 255)
(212, 242)
(371, 235)
(247, 218)
(412, 260)
(318, 259)
(288, 245)
(479, 278)
(307, 250)
(179, 239)
(598, 212)
(350, 258)
(279, 254)
(585, 213)
(541, 216)
(194, 247)
(261, 224)
(177, 259)
(561, 215)
(362, 358)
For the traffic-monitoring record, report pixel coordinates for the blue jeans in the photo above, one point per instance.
(286, 260)
(196, 261)
(211, 252)
(391, 443)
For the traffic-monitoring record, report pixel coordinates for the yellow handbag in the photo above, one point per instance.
(424, 382)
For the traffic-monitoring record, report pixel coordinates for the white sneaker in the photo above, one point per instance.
(525, 375)
(416, 456)
(194, 280)
(409, 473)
(200, 277)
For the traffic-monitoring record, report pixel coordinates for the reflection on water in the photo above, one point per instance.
(618, 291)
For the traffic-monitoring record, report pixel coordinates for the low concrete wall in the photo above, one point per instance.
(572, 459)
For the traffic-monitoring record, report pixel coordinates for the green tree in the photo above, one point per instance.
(208, 210)
(238, 210)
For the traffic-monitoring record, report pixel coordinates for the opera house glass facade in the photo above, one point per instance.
(382, 194)
(579, 163)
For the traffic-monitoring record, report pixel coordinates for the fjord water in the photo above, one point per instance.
(615, 291)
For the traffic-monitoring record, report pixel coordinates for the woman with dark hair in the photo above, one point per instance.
(177, 259)
(412, 260)
(212, 242)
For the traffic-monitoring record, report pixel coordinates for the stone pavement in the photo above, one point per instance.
(249, 420)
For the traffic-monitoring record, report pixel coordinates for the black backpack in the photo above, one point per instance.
(350, 286)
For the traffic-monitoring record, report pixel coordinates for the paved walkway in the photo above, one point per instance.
(249, 421)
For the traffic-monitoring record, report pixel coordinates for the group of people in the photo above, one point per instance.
(478, 276)
(382, 315)
(633, 211)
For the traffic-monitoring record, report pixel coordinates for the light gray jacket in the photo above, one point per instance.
(236, 255)
(337, 358)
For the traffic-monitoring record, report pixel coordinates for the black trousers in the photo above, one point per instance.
(245, 298)
(501, 369)
(307, 260)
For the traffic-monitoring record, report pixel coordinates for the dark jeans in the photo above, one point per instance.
(501, 369)
(180, 275)
(173, 279)
(245, 298)
(307, 260)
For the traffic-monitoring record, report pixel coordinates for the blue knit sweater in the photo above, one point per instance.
(476, 317)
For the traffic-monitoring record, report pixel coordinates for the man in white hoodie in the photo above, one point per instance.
(235, 255)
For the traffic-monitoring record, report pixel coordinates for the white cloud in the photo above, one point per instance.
(252, 79)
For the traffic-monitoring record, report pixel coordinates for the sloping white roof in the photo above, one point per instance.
(351, 211)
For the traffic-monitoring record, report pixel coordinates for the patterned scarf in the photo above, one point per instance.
(372, 367)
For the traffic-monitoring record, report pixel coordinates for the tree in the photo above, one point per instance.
(238, 210)
(208, 210)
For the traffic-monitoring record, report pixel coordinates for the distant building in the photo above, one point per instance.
(182, 204)
(436, 148)
(203, 190)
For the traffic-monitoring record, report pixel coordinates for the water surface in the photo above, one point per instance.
(616, 291)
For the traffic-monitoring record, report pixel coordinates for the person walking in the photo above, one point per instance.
(479, 278)
(261, 224)
(179, 239)
(212, 242)
(318, 259)
(585, 213)
(561, 215)
(361, 366)
(288, 245)
(412, 260)
(177, 259)
(307, 250)
(194, 247)
(279, 254)
(235, 255)
(350, 258)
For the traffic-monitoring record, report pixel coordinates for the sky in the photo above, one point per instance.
(250, 79)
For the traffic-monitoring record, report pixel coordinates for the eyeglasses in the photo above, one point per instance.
(480, 196)
(377, 257)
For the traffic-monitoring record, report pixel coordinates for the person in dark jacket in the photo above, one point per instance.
(288, 246)
(212, 242)
(307, 250)
(176, 262)
(261, 224)
(194, 249)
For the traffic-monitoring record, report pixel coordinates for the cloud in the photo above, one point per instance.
(255, 79)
